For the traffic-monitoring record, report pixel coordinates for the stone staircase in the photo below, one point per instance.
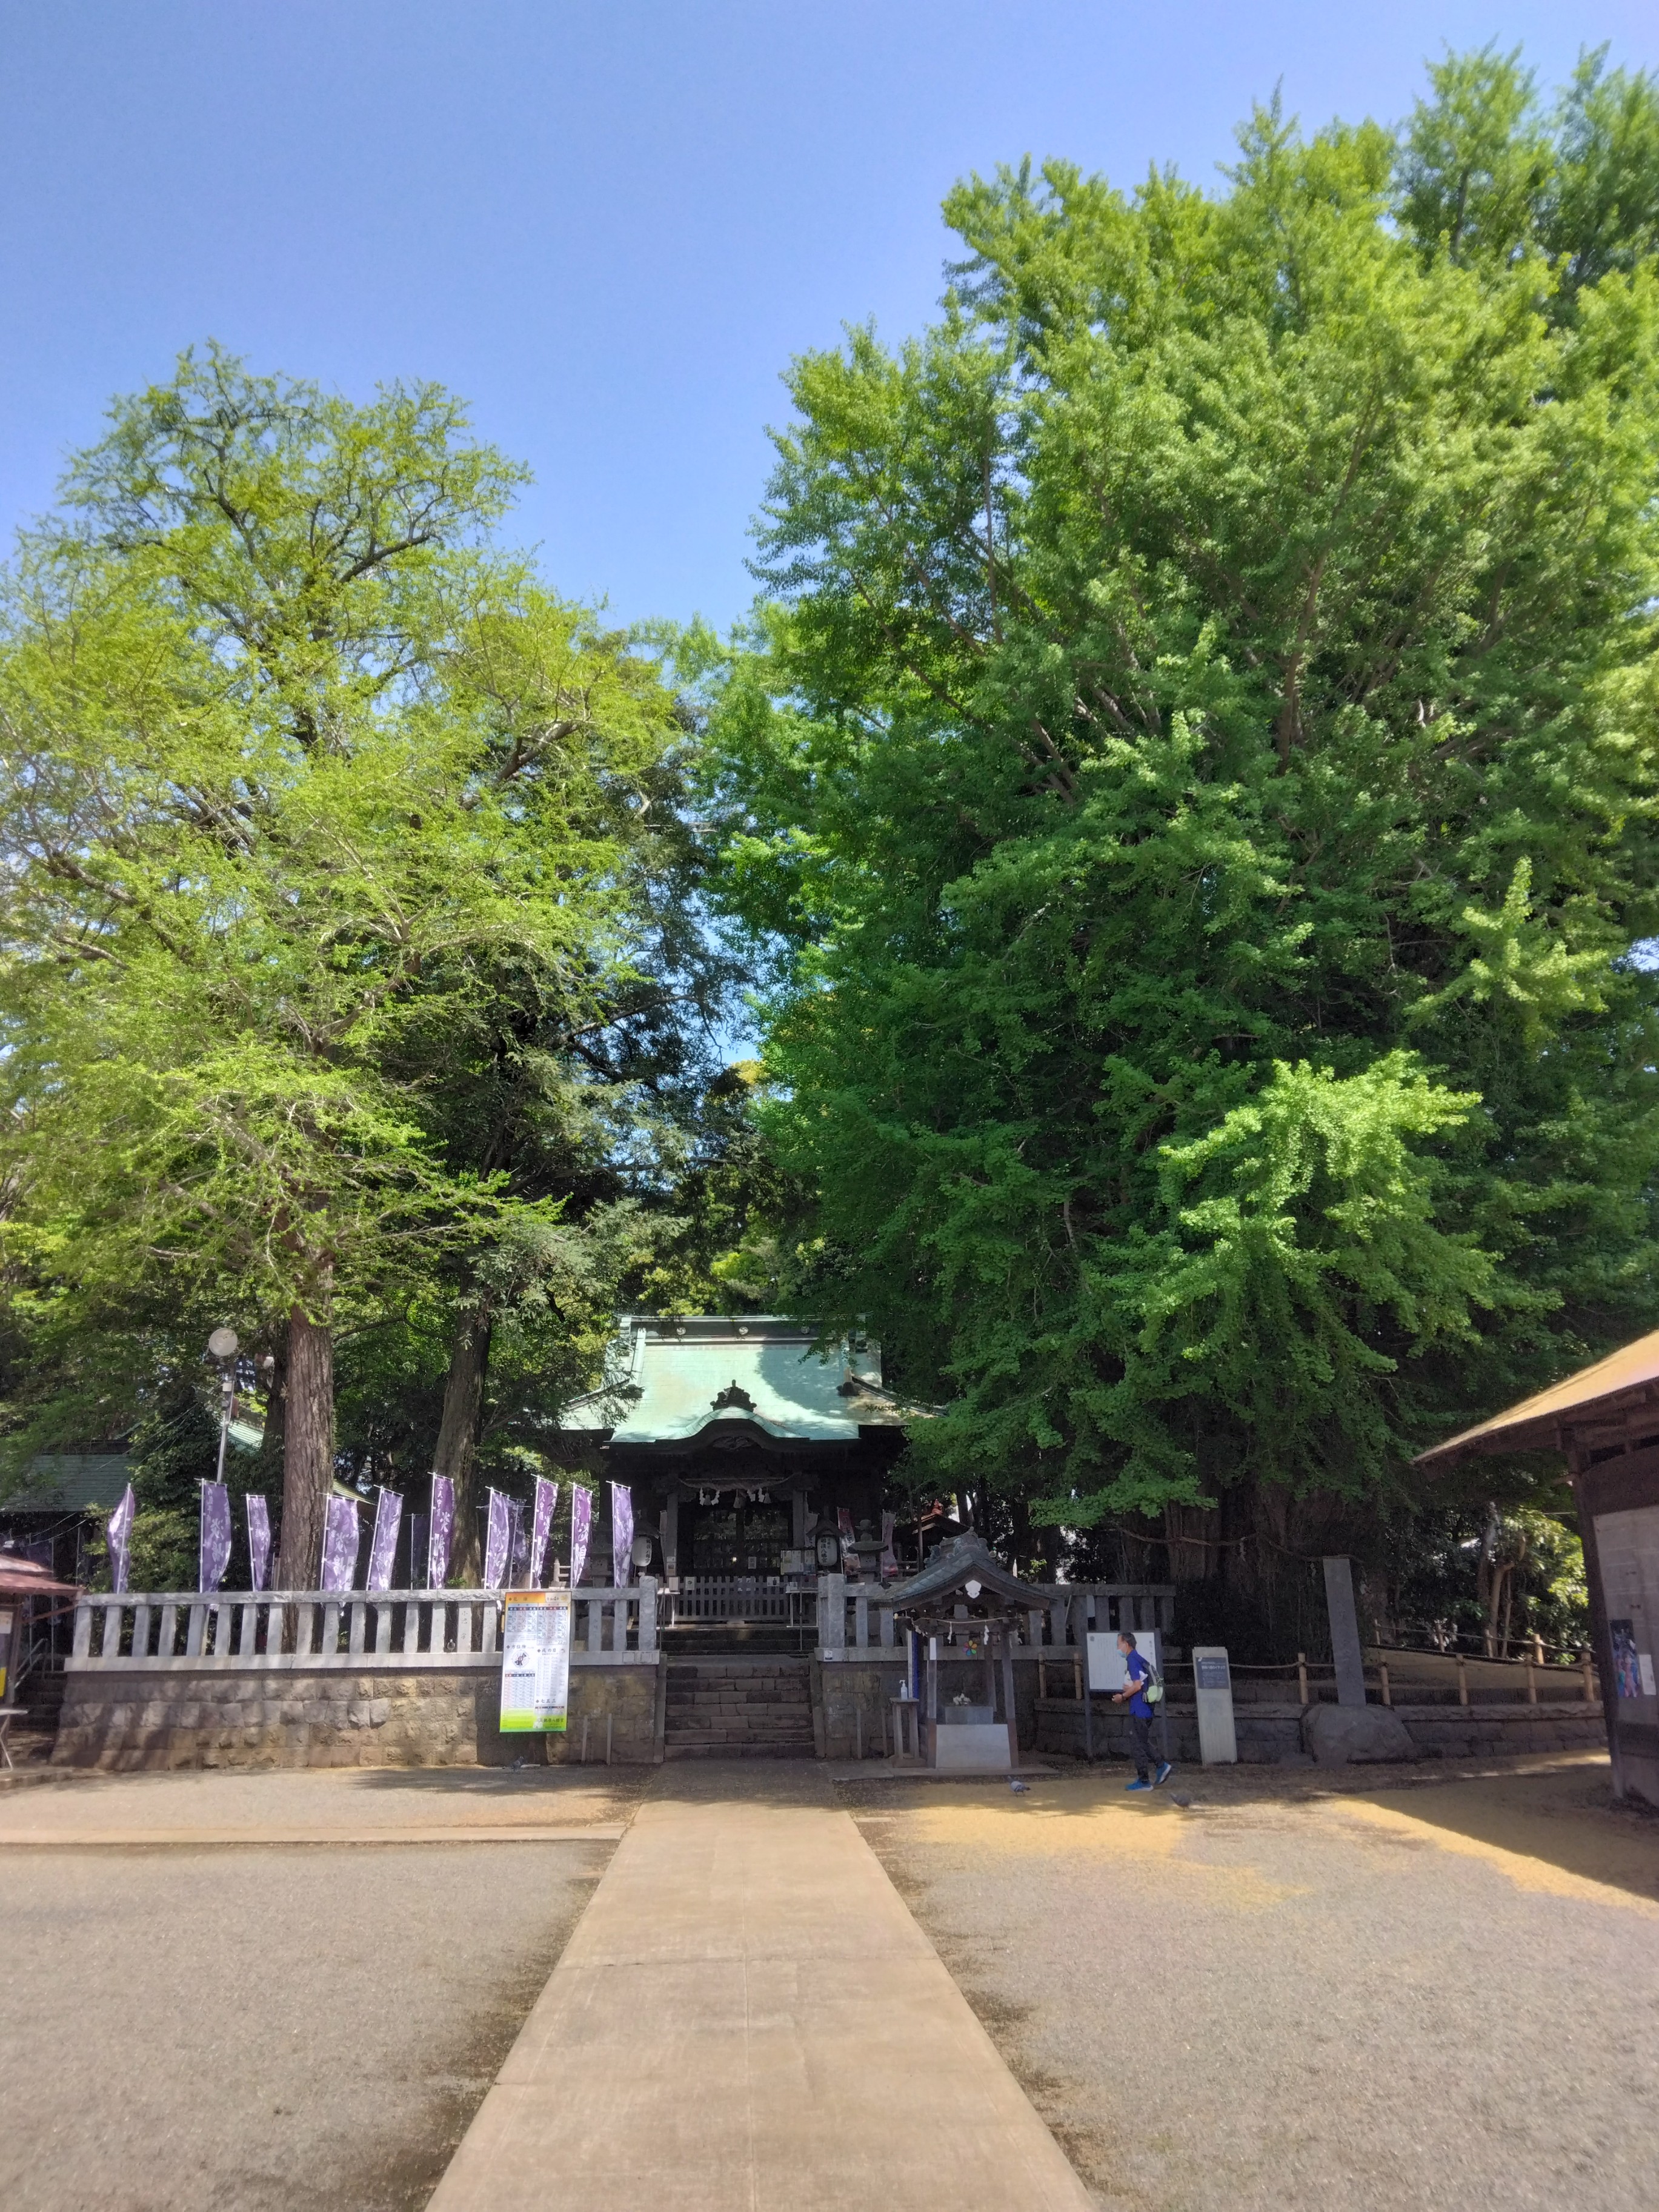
(736, 1705)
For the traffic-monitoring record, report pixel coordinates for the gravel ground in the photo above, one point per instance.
(265, 2026)
(1397, 1998)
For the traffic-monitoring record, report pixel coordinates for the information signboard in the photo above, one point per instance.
(535, 1661)
(1628, 1545)
(1106, 1660)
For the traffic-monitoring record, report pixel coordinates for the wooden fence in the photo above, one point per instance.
(407, 1629)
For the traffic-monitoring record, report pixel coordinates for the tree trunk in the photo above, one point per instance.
(1488, 1583)
(458, 1432)
(1019, 1532)
(308, 1449)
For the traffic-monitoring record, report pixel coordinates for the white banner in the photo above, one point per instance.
(535, 1661)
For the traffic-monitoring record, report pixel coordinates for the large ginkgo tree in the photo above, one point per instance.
(1195, 778)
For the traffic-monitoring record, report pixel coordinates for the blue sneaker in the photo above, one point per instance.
(1137, 1785)
(1162, 1774)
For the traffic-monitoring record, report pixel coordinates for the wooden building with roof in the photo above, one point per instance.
(1605, 1419)
(758, 1456)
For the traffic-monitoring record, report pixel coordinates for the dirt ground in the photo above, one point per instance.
(1401, 1994)
(270, 2025)
(1397, 1994)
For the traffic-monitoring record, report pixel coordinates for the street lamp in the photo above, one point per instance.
(222, 1346)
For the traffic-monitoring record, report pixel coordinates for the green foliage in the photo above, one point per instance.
(1194, 787)
(328, 828)
(1485, 174)
(1436, 1570)
(174, 1449)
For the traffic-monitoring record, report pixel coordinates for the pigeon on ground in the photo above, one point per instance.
(1020, 1788)
(1179, 1797)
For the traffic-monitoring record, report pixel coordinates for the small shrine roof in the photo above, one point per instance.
(668, 1380)
(964, 1558)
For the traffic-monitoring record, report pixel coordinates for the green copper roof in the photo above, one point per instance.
(669, 1381)
(73, 1482)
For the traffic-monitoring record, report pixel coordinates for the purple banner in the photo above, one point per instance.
(498, 1535)
(120, 1535)
(213, 1550)
(383, 1547)
(541, 1520)
(442, 1530)
(259, 1541)
(581, 1523)
(517, 1548)
(340, 1535)
(622, 1535)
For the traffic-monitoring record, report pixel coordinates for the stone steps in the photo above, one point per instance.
(735, 1707)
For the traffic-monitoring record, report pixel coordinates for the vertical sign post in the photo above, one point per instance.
(1213, 1687)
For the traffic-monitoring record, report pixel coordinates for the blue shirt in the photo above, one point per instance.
(1137, 1668)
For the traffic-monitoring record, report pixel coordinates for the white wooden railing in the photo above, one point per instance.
(410, 1629)
(853, 1621)
(610, 1627)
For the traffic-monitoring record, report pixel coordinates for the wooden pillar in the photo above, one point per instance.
(670, 1532)
(1008, 1699)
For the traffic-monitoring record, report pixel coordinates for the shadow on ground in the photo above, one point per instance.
(1564, 1817)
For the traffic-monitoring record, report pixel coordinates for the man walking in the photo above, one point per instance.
(1137, 1670)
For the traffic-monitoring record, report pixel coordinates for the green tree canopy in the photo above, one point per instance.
(304, 780)
(1195, 782)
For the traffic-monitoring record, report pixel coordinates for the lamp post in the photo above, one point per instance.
(222, 1346)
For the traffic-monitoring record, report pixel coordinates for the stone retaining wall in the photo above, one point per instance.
(850, 1704)
(330, 1717)
(1268, 1734)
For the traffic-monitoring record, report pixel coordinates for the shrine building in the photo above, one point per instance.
(757, 1458)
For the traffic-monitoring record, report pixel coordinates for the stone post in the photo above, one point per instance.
(832, 1613)
(1344, 1632)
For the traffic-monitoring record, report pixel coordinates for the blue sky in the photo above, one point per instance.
(609, 226)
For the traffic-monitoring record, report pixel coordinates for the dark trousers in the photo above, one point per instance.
(1146, 1759)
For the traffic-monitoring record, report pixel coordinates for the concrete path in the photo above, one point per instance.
(747, 2016)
